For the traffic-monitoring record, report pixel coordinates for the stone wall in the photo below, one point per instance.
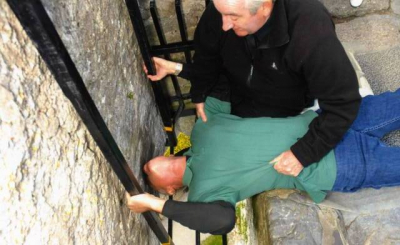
(55, 185)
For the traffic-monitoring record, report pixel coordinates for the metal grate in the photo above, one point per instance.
(165, 49)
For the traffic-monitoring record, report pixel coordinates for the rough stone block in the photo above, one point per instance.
(342, 8)
(370, 33)
(366, 217)
(395, 5)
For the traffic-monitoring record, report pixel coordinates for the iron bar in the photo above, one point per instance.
(159, 89)
(224, 239)
(182, 28)
(162, 40)
(171, 48)
(41, 30)
(188, 112)
(184, 97)
(141, 35)
(197, 238)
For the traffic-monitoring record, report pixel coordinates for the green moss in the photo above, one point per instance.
(241, 221)
(130, 95)
(260, 212)
(212, 240)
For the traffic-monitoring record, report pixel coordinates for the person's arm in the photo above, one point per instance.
(207, 63)
(332, 80)
(215, 217)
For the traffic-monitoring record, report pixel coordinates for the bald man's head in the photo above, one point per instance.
(165, 174)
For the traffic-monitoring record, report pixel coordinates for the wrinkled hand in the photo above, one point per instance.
(287, 164)
(163, 68)
(144, 202)
(200, 112)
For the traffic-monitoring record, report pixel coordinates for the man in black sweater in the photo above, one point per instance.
(275, 58)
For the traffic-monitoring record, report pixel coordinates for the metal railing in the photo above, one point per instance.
(165, 49)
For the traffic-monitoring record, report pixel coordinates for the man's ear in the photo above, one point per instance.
(266, 8)
(170, 190)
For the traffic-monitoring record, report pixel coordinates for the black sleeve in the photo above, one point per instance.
(207, 63)
(215, 217)
(332, 80)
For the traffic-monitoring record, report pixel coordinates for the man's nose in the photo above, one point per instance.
(226, 23)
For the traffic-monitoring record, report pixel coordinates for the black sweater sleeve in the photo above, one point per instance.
(215, 217)
(330, 78)
(207, 63)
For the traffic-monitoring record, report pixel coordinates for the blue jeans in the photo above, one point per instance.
(363, 160)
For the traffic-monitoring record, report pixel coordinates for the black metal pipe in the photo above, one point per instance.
(41, 30)
(172, 48)
(224, 239)
(184, 97)
(162, 40)
(141, 35)
(197, 238)
(182, 28)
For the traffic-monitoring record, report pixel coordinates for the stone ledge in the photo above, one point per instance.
(343, 9)
(366, 217)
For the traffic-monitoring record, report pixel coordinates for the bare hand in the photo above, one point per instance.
(287, 164)
(200, 112)
(163, 68)
(144, 202)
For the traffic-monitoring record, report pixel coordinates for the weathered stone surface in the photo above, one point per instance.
(55, 185)
(244, 232)
(395, 5)
(370, 33)
(192, 10)
(290, 221)
(366, 217)
(370, 216)
(343, 8)
(100, 39)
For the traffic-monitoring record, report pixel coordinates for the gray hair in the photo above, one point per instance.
(254, 5)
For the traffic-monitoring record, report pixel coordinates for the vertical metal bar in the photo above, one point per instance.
(161, 97)
(141, 35)
(182, 28)
(224, 239)
(197, 238)
(41, 30)
(170, 222)
(165, 111)
(162, 40)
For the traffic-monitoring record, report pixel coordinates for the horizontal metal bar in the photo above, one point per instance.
(188, 112)
(41, 30)
(183, 97)
(172, 48)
